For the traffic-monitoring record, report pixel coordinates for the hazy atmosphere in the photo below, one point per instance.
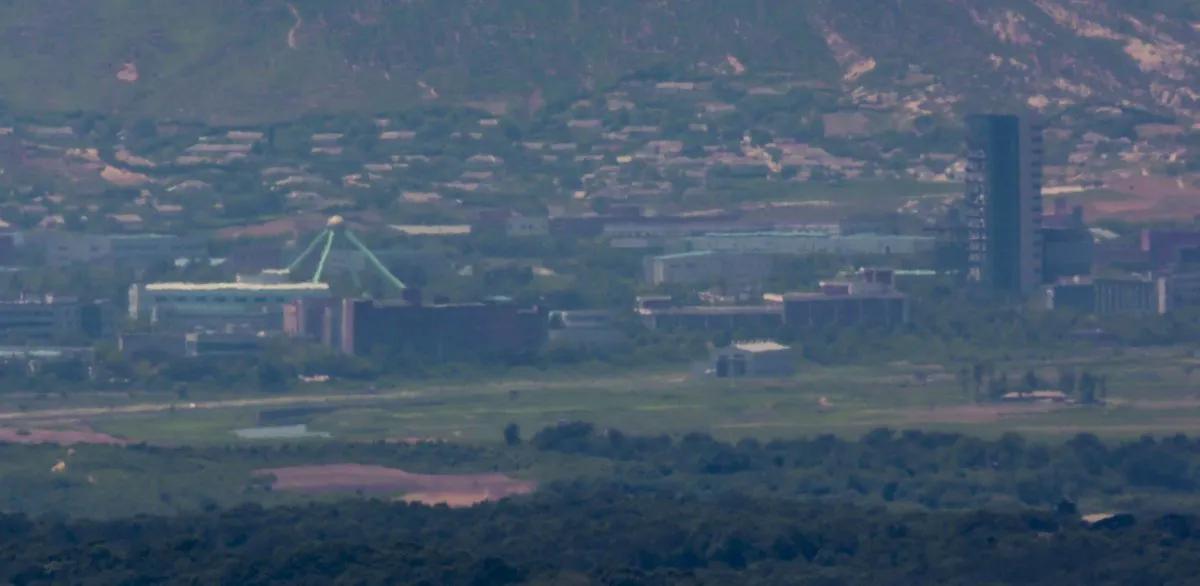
(608, 292)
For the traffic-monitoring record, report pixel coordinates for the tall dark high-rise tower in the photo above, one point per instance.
(1004, 202)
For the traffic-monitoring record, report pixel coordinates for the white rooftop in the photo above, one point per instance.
(760, 346)
(433, 230)
(231, 286)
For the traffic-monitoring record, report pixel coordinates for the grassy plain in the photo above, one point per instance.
(1149, 391)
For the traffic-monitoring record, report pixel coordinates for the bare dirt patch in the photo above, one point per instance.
(290, 226)
(1147, 197)
(122, 177)
(128, 72)
(60, 437)
(455, 490)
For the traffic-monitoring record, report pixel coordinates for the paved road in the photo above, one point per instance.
(158, 407)
(646, 381)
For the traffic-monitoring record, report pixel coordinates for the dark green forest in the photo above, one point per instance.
(909, 470)
(602, 535)
(892, 507)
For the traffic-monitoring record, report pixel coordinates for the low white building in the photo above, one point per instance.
(706, 267)
(753, 359)
(239, 305)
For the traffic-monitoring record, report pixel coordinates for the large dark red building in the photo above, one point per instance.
(489, 329)
(1164, 247)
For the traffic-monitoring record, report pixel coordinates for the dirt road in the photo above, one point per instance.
(141, 408)
(646, 381)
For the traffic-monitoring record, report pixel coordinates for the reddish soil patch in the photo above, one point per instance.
(1148, 198)
(293, 226)
(282, 227)
(455, 490)
(60, 437)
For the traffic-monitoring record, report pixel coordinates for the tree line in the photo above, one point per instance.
(602, 533)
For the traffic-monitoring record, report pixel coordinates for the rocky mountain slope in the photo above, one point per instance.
(239, 61)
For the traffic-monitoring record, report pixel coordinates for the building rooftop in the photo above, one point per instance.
(717, 310)
(233, 286)
(431, 230)
(1035, 396)
(817, 295)
(147, 236)
(809, 234)
(769, 234)
(760, 346)
(39, 302)
(679, 255)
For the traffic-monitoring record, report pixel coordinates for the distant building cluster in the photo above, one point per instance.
(1008, 240)
(867, 298)
(809, 243)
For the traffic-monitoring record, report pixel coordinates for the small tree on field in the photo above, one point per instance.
(1066, 380)
(1031, 381)
(1087, 388)
(512, 434)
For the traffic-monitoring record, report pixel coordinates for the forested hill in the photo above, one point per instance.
(255, 60)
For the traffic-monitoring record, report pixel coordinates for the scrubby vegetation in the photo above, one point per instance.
(904, 470)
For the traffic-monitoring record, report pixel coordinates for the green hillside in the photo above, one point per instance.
(255, 60)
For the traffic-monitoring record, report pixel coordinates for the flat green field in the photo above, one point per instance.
(1149, 391)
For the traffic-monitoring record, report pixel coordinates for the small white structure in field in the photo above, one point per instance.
(753, 359)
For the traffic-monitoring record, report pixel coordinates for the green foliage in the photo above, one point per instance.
(910, 469)
(605, 533)
(936, 470)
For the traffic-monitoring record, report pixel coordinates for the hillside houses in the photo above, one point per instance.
(674, 139)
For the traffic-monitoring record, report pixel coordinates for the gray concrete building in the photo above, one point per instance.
(1137, 296)
(583, 328)
(1004, 203)
(50, 319)
(244, 306)
(706, 267)
(136, 250)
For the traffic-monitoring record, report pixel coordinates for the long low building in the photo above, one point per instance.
(494, 329)
(46, 319)
(134, 250)
(491, 329)
(1135, 296)
(704, 267)
(812, 243)
(218, 306)
(750, 318)
(815, 310)
(867, 298)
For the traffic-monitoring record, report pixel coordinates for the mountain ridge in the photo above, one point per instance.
(244, 61)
